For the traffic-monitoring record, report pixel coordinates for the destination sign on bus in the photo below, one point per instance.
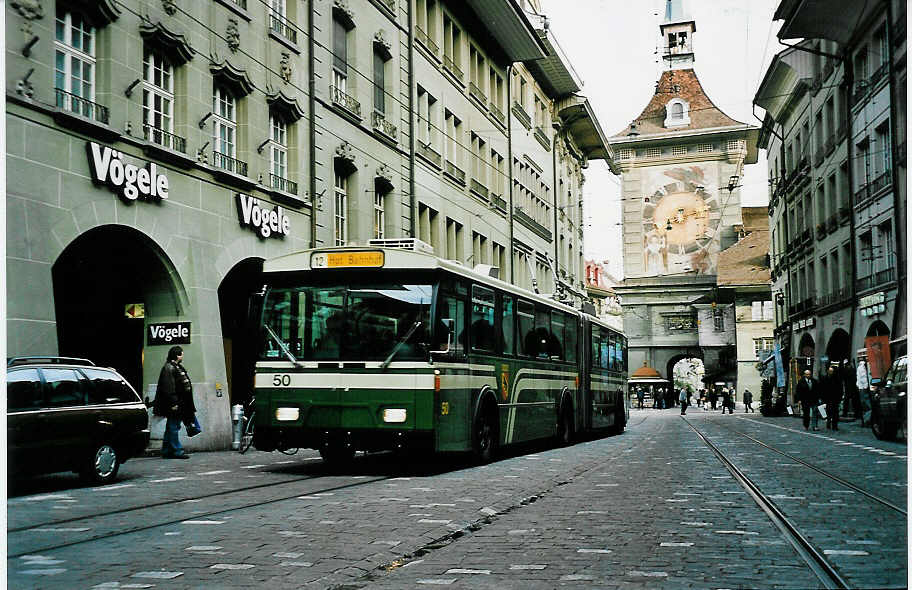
(355, 258)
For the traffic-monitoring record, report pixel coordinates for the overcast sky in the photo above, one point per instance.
(612, 46)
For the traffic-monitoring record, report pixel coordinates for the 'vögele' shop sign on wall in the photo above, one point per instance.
(129, 181)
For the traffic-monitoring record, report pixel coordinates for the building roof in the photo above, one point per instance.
(820, 19)
(745, 263)
(507, 22)
(577, 115)
(703, 113)
(755, 218)
(646, 372)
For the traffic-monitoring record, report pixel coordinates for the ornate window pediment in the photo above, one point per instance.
(287, 107)
(345, 158)
(344, 14)
(99, 12)
(232, 78)
(174, 45)
(384, 178)
(382, 45)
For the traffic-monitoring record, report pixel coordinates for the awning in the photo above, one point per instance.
(554, 72)
(577, 116)
(505, 21)
(820, 19)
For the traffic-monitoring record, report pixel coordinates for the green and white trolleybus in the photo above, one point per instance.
(377, 347)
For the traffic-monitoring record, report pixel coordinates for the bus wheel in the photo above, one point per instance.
(484, 435)
(619, 422)
(565, 426)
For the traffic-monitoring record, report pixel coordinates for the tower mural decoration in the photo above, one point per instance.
(681, 163)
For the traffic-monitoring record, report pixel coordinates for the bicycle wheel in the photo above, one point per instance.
(247, 436)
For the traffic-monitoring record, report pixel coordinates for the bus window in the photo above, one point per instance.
(482, 318)
(623, 354)
(525, 321)
(570, 339)
(327, 323)
(542, 332)
(507, 327)
(558, 321)
(603, 349)
(612, 358)
(593, 346)
(450, 307)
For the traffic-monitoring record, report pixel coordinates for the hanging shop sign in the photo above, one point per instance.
(873, 304)
(265, 222)
(169, 333)
(129, 181)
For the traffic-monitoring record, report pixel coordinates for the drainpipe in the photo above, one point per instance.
(411, 85)
(510, 166)
(897, 202)
(557, 137)
(849, 79)
(312, 104)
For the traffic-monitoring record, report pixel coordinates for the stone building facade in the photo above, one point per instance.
(681, 160)
(159, 151)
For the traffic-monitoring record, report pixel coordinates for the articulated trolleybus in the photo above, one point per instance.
(378, 347)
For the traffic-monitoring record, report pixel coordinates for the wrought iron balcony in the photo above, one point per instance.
(429, 153)
(837, 296)
(279, 25)
(380, 124)
(228, 163)
(78, 105)
(521, 216)
(498, 114)
(164, 139)
(425, 40)
(478, 188)
(390, 4)
(345, 101)
(456, 172)
(882, 181)
(283, 184)
(454, 69)
(499, 202)
(865, 283)
(861, 193)
(543, 138)
(878, 73)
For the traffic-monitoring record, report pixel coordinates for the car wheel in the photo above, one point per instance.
(102, 465)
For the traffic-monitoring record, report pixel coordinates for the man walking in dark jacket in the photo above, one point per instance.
(174, 401)
(809, 396)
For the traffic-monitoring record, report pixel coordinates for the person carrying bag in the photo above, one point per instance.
(174, 401)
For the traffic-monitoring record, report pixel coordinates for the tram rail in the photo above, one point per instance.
(824, 571)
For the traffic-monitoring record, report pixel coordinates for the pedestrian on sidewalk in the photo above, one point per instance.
(640, 396)
(849, 390)
(712, 398)
(832, 392)
(809, 396)
(174, 401)
(727, 400)
(862, 383)
(748, 400)
(682, 397)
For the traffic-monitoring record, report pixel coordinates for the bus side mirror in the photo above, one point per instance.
(450, 325)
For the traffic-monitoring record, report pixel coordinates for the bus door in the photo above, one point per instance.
(453, 400)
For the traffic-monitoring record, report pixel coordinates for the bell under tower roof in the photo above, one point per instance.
(677, 30)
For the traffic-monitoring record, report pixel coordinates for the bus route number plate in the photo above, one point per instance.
(346, 259)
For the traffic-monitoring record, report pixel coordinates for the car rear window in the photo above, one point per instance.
(23, 390)
(108, 388)
(63, 388)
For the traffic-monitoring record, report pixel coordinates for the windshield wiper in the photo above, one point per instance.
(282, 346)
(399, 344)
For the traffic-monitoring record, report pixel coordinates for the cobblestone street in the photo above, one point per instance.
(653, 508)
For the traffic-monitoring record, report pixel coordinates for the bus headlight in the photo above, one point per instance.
(394, 415)
(287, 414)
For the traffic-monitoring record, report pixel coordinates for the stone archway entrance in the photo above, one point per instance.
(96, 278)
(238, 336)
(839, 347)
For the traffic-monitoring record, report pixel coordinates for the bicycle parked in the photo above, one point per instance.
(248, 428)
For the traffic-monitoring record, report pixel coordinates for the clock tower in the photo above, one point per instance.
(682, 161)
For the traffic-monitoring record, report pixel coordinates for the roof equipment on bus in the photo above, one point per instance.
(413, 244)
(487, 270)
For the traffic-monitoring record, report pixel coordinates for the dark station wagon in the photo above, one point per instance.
(66, 414)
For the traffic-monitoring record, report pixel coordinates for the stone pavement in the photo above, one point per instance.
(651, 508)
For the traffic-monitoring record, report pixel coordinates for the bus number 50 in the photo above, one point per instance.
(281, 380)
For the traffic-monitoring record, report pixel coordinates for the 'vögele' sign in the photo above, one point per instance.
(129, 181)
(169, 333)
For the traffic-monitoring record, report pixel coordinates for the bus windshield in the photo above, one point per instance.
(347, 322)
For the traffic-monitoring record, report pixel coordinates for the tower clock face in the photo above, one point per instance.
(679, 220)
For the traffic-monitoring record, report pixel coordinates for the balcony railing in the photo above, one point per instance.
(498, 114)
(345, 101)
(164, 139)
(454, 69)
(835, 297)
(476, 92)
(543, 138)
(390, 4)
(499, 202)
(878, 74)
(844, 213)
(861, 193)
(456, 172)
(884, 276)
(78, 105)
(423, 38)
(841, 132)
(383, 126)
(830, 145)
(225, 162)
(522, 115)
(477, 187)
(882, 181)
(527, 220)
(808, 304)
(429, 153)
(833, 222)
(241, 3)
(865, 283)
(279, 25)
(283, 184)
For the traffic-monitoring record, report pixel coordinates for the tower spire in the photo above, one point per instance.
(677, 31)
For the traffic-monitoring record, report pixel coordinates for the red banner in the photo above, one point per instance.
(878, 355)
